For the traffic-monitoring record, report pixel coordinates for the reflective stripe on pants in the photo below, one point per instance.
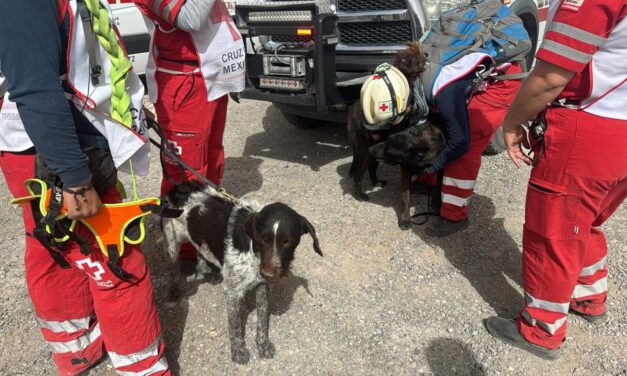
(577, 182)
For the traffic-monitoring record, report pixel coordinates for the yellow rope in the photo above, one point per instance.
(120, 64)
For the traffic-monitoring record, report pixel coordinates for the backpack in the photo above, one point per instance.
(486, 26)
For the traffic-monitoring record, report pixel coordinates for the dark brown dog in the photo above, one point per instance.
(411, 62)
(413, 149)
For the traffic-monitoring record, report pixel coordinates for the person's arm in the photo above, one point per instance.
(30, 54)
(569, 43)
(451, 103)
(193, 15)
(187, 15)
(541, 87)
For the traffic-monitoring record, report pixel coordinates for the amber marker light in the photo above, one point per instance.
(304, 32)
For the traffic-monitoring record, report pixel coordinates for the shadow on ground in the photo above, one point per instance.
(242, 175)
(448, 357)
(485, 253)
(314, 147)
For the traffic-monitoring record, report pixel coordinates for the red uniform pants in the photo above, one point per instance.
(578, 180)
(194, 128)
(86, 311)
(486, 112)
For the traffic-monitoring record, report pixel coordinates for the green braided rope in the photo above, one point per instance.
(120, 64)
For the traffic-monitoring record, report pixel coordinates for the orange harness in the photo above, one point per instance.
(112, 226)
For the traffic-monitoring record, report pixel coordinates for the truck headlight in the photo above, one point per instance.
(434, 8)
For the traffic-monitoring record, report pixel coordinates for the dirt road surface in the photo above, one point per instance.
(381, 302)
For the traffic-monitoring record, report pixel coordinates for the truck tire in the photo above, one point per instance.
(496, 145)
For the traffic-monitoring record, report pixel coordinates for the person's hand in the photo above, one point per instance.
(81, 202)
(514, 140)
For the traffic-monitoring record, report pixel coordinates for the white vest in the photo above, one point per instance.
(608, 94)
(94, 101)
(220, 51)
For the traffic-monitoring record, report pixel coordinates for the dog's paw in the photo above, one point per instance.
(362, 197)
(240, 356)
(404, 225)
(214, 277)
(266, 350)
(381, 183)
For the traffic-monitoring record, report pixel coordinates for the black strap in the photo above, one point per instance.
(162, 210)
(40, 234)
(114, 258)
(388, 83)
(427, 214)
(82, 243)
(92, 43)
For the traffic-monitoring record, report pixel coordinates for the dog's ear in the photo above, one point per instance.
(307, 228)
(250, 226)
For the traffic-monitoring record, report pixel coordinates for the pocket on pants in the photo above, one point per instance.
(550, 212)
(188, 146)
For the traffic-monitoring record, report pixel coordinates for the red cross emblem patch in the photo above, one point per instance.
(385, 106)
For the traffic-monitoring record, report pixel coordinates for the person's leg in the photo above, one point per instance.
(185, 124)
(590, 293)
(61, 298)
(566, 197)
(186, 119)
(126, 310)
(215, 148)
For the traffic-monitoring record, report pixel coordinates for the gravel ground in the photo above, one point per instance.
(381, 301)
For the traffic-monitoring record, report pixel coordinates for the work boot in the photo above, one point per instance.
(442, 227)
(507, 331)
(592, 319)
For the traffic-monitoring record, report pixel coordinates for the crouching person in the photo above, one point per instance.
(469, 130)
(471, 89)
(83, 307)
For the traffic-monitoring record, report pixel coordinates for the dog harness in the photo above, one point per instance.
(113, 226)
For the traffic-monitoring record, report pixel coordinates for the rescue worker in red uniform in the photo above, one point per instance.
(579, 175)
(197, 59)
(486, 110)
(83, 309)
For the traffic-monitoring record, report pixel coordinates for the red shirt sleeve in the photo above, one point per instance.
(577, 30)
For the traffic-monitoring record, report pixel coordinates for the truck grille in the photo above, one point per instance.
(291, 39)
(368, 5)
(397, 32)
